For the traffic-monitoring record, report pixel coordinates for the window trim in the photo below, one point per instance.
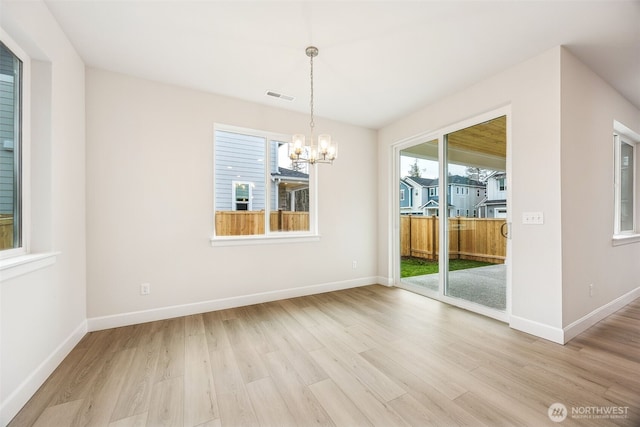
(623, 135)
(25, 153)
(269, 237)
(25, 264)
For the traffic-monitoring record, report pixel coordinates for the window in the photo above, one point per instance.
(11, 230)
(625, 184)
(502, 184)
(242, 195)
(257, 190)
(402, 194)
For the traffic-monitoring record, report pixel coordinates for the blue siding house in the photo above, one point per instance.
(406, 196)
(463, 196)
(240, 162)
(7, 133)
(239, 172)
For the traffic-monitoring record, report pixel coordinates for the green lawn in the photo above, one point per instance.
(417, 266)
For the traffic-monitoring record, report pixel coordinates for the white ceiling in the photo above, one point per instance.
(378, 60)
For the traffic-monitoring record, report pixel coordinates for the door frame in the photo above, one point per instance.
(396, 148)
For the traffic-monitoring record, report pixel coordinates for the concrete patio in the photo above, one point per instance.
(482, 285)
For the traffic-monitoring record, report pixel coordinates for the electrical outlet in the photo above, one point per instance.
(145, 289)
(591, 289)
(354, 264)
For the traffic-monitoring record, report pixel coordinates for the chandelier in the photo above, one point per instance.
(320, 151)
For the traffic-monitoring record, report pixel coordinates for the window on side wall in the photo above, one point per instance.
(625, 184)
(11, 217)
(258, 192)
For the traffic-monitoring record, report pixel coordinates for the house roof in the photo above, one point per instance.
(435, 204)
(493, 202)
(460, 180)
(497, 175)
(284, 173)
(422, 182)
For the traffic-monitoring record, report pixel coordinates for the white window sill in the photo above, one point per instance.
(24, 264)
(263, 240)
(625, 239)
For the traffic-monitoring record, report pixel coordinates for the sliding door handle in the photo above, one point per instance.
(504, 230)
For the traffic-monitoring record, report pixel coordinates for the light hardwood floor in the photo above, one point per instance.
(371, 356)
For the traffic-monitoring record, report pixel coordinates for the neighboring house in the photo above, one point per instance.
(406, 197)
(419, 193)
(291, 190)
(495, 203)
(240, 172)
(7, 99)
(463, 196)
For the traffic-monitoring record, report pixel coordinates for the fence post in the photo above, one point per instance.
(458, 231)
(410, 238)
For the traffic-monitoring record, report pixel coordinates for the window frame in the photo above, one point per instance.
(269, 237)
(623, 135)
(22, 144)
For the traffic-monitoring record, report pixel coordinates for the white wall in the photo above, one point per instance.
(43, 312)
(561, 164)
(150, 206)
(589, 108)
(532, 89)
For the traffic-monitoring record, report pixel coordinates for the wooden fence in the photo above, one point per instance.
(476, 239)
(242, 223)
(6, 232)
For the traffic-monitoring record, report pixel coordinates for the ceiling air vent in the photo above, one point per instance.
(280, 95)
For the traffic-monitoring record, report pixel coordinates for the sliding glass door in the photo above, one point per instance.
(461, 176)
(419, 212)
(477, 194)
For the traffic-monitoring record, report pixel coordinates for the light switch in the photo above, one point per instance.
(533, 218)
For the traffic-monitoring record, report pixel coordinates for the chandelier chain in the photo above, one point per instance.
(311, 123)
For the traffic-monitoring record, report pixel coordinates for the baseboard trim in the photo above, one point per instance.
(538, 329)
(19, 397)
(135, 317)
(386, 281)
(587, 321)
